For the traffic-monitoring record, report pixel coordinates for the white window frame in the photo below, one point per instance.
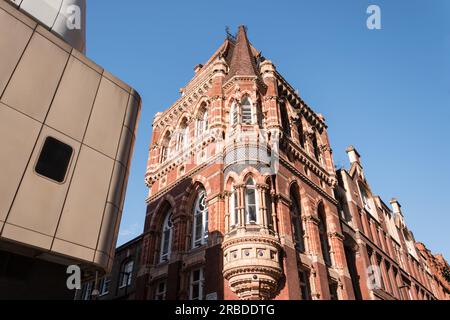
(87, 292)
(250, 185)
(164, 153)
(126, 274)
(198, 241)
(167, 226)
(233, 208)
(202, 124)
(104, 288)
(200, 282)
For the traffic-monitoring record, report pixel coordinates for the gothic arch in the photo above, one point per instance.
(185, 117)
(250, 171)
(203, 101)
(194, 186)
(167, 132)
(165, 203)
(231, 177)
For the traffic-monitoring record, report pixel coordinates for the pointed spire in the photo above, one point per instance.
(242, 62)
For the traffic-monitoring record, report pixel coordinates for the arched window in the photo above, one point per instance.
(233, 208)
(233, 114)
(202, 122)
(126, 272)
(247, 112)
(296, 219)
(164, 148)
(323, 234)
(250, 202)
(166, 238)
(200, 224)
(182, 136)
(286, 126)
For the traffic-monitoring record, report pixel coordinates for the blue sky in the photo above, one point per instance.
(387, 92)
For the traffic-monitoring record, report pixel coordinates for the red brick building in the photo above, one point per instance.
(245, 202)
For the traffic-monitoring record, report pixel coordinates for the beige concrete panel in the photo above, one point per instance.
(39, 200)
(117, 186)
(34, 82)
(70, 110)
(126, 142)
(132, 114)
(117, 81)
(18, 135)
(14, 36)
(73, 250)
(82, 215)
(30, 237)
(105, 241)
(104, 127)
(53, 38)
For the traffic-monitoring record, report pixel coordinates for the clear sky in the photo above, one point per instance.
(387, 92)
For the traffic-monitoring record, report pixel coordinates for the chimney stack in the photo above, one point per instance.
(396, 207)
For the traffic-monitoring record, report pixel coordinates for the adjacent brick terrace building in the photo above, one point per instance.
(245, 202)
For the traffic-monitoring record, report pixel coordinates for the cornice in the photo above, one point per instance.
(303, 106)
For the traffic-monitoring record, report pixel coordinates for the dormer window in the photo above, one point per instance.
(233, 207)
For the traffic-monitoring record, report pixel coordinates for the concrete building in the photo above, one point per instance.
(67, 130)
(245, 202)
